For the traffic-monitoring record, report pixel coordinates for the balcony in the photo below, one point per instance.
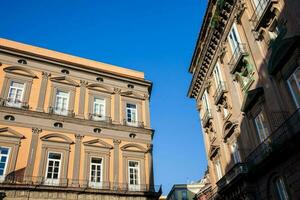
(275, 142)
(61, 111)
(14, 103)
(101, 118)
(65, 184)
(206, 117)
(237, 56)
(236, 171)
(133, 123)
(221, 89)
(260, 11)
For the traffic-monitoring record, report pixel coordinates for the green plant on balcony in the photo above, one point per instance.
(244, 74)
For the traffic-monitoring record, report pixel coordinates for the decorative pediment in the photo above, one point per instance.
(213, 151)
(228, 129)
(8, 132)
(20, 71)
(98, 143)
(56, 137)
(100, 87)
(133, 94)
(134, 148)
(64, 80)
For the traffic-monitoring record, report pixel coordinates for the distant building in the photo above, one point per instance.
(246, 83)
(205, 191)
(72, 128)
(185, 191)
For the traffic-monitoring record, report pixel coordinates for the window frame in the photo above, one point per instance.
(61, 111)
(278, 193)
(217, 75)
(14, 103)
(134, 187)
(265, 135)
(292, 92)
(237, 34)
(99, 116)
(52, 181)
(135, 122)
(218, 169)
(96, 184)
(235, 152)
(2, 177)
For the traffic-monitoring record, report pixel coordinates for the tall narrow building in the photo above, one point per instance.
(72, 128)
(246, 83)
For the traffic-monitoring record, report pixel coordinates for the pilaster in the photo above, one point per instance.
(81, 106)
(116, 160)
(117, 93)
(77, 155)
(147, 111)
(43, 90)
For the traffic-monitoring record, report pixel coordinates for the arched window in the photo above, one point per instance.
(280, 190)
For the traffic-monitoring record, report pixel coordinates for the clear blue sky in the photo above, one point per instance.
(154, 36)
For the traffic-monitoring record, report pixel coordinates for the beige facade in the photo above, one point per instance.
(72, 124)
(246, 82)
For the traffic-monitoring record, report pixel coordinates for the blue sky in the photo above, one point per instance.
(154, 36)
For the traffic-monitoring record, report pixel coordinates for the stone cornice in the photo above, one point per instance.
(212, 37)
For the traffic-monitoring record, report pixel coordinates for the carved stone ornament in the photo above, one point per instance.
(36, 130)
(79, 137)
(46, 75)
(117, 90)
(115, 141)
(240, 8)
(83, 83)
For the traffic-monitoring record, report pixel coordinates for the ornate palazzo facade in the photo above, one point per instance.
(246, 83)
(72, 128)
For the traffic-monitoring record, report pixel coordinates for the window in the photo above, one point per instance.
(294, 85)
(61, 103)
(235, 152)
(4, 153)
(96, 172)
(53, 168)
(133, 175)
(225, 112)
(217, 75)
(218, 169)
(99, 109)
(58, 125)
(205, 101)
(131, 112)
(261, 126)
(15, 94)
(280, 189)
(234, 38)
(184, 195)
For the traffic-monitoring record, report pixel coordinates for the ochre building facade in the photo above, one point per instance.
(72, 128)
(246, 83)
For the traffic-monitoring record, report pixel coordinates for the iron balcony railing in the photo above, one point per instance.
(14, 103)
(237, 170)
(259, 12)
(133, 123)
(239, 52)
(11, 180)
(61, 111)
(289, 128)
(97, 117)
(206, 117)
(221, 89)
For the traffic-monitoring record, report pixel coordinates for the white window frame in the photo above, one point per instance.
(99, 116)
(217, 75)
(61, 111)
(134, 187)
(51, 181)
(15, 102)
(235, 152)
(95, 184)
(205, 101)
(2, 177)
(234, 44)
(218, 167)
(280, 189)
(135, 121)
(294, 77)
(262, 134)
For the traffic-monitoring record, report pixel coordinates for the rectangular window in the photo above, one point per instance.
(4, 153)
(235, 153)
(261, 126)
(15, 94)
(96, 172)
(205, 101)
(218, 169)
(61, 103)
(234, 38)
(131, 112)
(53, 168)
(184, 195)
(99, 109)
(217, 75)
(133, 175)
(294, 85)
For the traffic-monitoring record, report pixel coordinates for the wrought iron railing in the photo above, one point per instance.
(221, 89)
(14, 103)
(281, 135)
(259, 11)
(61, 111)
(78, 183)
(206, 117)
(237, 56)
(97, 117)
(133, 123)
(235, 171)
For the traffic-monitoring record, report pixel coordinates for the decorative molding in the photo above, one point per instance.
(100, 87)
(18, 70)
(64, 80)
(46, 75)
(133, 95)
(116, 141)
(117, 91)
(79, 137)
(12, 133)
(83, 83)
(98, 143)
(36, 131)
(133, 148)
(240, 8)
(51, 136)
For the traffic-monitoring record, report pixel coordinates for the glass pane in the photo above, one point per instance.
(3, 150)
(56, 156)
(49, 175)
(96, 160)
(2, 165)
